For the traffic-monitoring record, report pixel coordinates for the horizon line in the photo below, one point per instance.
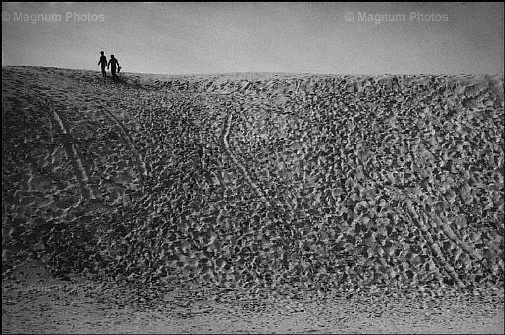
(272, 72)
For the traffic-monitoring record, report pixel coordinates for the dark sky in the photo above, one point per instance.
(195, 38)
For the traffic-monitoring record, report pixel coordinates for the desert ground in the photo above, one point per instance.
(251, 203)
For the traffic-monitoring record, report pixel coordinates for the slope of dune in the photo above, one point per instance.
(251, 181)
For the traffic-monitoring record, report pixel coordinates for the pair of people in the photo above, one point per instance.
(113, 64)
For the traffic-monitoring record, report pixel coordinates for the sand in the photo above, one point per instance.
(76, 150)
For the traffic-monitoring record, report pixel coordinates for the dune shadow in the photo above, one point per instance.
(126, 81)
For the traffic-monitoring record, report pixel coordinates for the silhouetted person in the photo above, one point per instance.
(103, 63)
(113, 63)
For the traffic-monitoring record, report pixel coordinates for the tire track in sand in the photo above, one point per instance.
(141, 165)
(429, 224)
(426, 234)
(440, 222)
(67, 141)
(245, 173)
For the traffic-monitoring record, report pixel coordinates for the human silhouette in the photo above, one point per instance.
(103, 63)
(113, 63)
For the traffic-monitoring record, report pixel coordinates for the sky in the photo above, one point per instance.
(204, 38)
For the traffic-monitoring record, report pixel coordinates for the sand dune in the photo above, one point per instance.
(256, 179)
(257, 182)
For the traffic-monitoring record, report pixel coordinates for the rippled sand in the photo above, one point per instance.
(87, 161)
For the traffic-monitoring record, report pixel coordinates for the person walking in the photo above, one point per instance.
(113, 63)
(103, 62)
